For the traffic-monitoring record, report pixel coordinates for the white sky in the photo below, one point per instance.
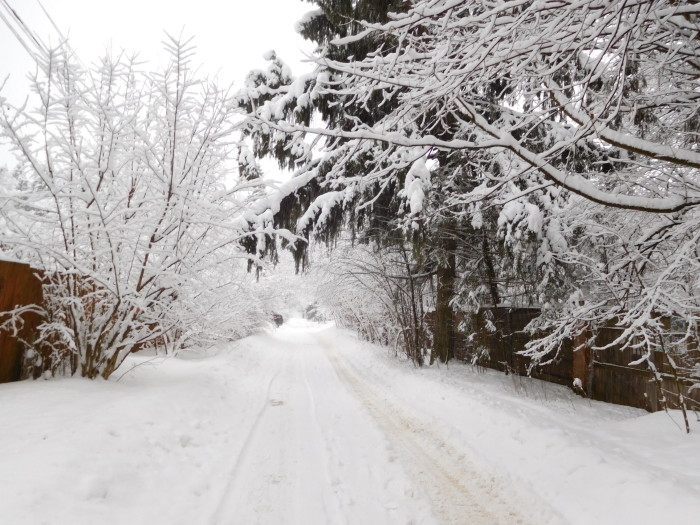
(231, 35)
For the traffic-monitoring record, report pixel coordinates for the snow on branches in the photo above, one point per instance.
(565, 132)
(127, 207)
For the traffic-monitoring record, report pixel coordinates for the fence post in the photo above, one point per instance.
(583, 362)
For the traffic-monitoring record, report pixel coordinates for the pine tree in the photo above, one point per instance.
(333, 193)
(295, 100)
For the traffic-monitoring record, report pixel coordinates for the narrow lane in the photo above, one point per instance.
(309, 425)
(327, 448)
(280, 473)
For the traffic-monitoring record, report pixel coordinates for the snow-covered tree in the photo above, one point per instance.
(331, 193)
(379, 293)
(276, 94)
(129, 211)
(579, 119)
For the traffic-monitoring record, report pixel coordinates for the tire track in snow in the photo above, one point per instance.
(330, 497)
(298, 494)
(234, 473)
(460, 493)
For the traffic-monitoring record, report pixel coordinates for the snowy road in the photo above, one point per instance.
(329, 445)
(307, 425)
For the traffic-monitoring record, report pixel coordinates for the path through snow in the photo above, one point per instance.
(307, 425)
(327, 447)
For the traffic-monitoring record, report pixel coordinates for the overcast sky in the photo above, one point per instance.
(231, 35)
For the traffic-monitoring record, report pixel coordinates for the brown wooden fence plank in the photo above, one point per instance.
(18, 287)
(608, 375)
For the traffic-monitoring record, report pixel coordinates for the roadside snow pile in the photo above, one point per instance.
(153, 448)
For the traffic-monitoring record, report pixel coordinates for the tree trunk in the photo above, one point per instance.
(416, 344)
(490, 273)
(444, 340)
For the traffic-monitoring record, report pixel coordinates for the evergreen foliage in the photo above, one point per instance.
(543, 132)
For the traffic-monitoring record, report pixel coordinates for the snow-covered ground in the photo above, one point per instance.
(307, 425)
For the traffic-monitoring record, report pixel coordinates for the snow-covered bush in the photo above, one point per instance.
(375, 293)
(129, 208)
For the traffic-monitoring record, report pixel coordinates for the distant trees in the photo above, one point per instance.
(382, 294)
(128, 207)
(565, 134)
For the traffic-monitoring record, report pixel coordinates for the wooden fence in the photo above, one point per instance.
(18, 287)
(497, 335)
(21, 286)
(616, 381)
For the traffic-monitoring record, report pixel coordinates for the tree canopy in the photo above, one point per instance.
(566, 133)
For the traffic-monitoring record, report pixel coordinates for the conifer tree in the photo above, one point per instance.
(329, 194)
(332, 192)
